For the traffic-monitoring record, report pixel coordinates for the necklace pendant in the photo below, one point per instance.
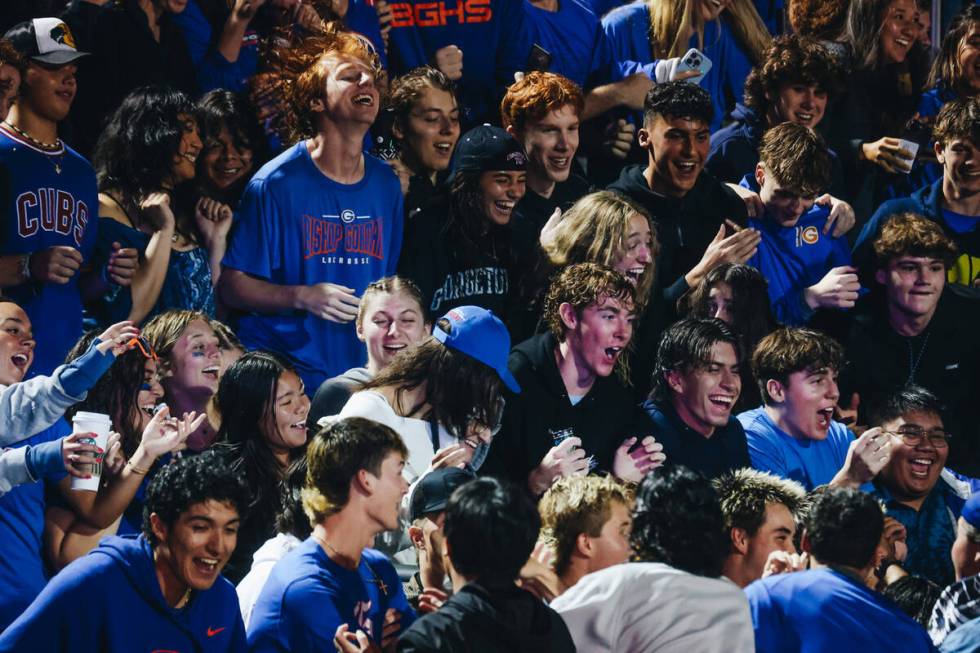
(57, 168)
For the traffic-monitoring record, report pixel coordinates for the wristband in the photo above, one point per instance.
(142, 471)
(25, 267)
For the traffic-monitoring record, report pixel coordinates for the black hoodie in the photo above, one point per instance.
(489, 620)
(603, 418)
(685, 225)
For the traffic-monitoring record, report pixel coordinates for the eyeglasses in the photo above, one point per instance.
(144, 346)
(913, 436)
(490, 423)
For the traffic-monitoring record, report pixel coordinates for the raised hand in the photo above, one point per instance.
(838, 289)
(564, 459)
(118, 338)
(123, 264)
(449, 60)
(633, 465)
(866, 456)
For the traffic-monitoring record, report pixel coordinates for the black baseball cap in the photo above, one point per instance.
(432, 492)
(45, 40)
(487, 148)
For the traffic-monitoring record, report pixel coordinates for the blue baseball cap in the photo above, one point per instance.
(971, 511)
(479, 334)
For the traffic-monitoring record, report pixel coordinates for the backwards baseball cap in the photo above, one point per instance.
(971, 511)
(479, 334)
(432, 492)
(486, 148)
(45, 40)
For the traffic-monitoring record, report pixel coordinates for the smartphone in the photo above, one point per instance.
(539, 59)
(694, 60)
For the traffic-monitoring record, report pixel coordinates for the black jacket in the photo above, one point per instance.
(685, 226)
(603, 418)
(450, 273)
(538, 209)
(480, 619)
(724, 451)
(948, 354)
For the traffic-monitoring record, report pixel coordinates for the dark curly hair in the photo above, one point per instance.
(678, 100)
(190, 480)
(135, 153)
(115, 393)
(792, 59)
(468, 226)
(222, 109)
(677, 520)
(581, 285)
(686, 346)
(488, 511)
(844, 526)
(822, 19)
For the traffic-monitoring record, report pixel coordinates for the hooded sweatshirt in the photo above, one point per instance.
(110, 600)
(508, 620)
(685, 225)
(543, 412)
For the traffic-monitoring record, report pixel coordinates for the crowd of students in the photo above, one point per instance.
(496, 325)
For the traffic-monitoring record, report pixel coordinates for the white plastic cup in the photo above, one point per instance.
(912, 147)
(100, 425)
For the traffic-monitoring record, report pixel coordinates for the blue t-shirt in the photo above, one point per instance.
(213, 70)
(820, 610)
(795, 258)
(808, 462)
(22, 572)
(493, 35)
(308, 595)
(573, 36)
(627, 29)
(297, 227)
(960, 223)
(47, 200)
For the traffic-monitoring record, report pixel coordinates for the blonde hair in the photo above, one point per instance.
(594, 230)
(576, 505)
(164, 330)
(671, 20)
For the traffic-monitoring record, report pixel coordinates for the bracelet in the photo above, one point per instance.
(25, 267)
(142, 471)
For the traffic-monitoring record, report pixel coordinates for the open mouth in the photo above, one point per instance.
(206, 565)
(686, 167)
(634, 274)
(20, 361)
(824, 417)
(364, 99)
(394, 349)
(445, 149)
(229, 172)
(724, 402)
(211, 372)
(149, 409)
(560, 162)
(612, 353)
(920, 466)
(804, 117)
(68, 96)
(190, 156)
(903, 43)
(504, 206)
(299, 426)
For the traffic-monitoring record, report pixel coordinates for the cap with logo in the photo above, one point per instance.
(45, 40)
(432, 492)
(486, 148)
(479, 334)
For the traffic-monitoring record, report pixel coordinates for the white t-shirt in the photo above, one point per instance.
(650, 606)
(414, 432)
(271, 552)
